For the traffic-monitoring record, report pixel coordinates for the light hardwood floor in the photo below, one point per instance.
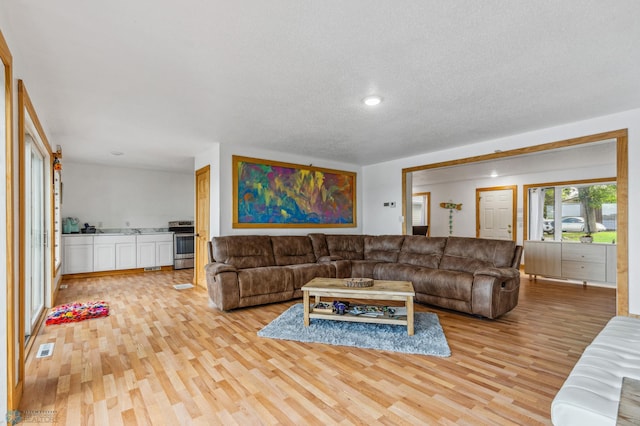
(165, 357)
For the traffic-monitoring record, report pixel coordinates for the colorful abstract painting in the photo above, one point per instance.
(274, 194)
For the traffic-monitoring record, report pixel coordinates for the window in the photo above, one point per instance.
(571, 210)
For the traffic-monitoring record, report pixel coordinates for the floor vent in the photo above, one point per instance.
(182, 286)
(152, 268)
(63, 286)
(46, 349)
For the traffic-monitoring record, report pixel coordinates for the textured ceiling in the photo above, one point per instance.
(159, 80)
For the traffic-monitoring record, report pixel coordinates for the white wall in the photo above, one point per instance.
(383, 181)
(222, 169)
(111, 197)
(464, 192)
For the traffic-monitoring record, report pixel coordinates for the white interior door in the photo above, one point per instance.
(496, 213)
(36, 234)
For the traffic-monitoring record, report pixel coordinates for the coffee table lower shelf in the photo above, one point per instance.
(357, 318)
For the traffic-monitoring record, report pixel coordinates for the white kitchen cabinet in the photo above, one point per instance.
(154, 250)
(569, 260)
(126, 253)
(164, 252)
(543, 258)
(78, 254)
(110, 252)
(114, 252)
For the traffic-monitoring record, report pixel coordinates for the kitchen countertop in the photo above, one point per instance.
(119, 232)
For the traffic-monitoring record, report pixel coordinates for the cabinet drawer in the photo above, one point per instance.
(584, 253)
(584, 271)
(114, 239)
(154, 238)
(77, 240)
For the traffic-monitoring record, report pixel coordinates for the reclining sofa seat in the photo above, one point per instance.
(477, 276)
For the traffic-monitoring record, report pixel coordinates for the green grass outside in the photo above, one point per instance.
(598, 237)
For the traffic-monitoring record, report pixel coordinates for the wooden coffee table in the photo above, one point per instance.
(381, 290)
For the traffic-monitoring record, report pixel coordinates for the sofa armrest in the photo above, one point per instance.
(222, 285)
(217, 268)
(502, 273)
(495, 291)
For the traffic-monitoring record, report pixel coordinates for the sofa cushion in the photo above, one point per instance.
(384, 248)
(350, 247)
(244, 251)
(470, 254)
(363, 268)
(266, 280)
(303, 273)
(422, 251)
(435, 282)
(319, 244)
(292, 250)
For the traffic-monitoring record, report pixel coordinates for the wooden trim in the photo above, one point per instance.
(405, 225)
(622, 174)
(622, 178)
(235, 220)
(25, 107)
(526, 188)
(14, 384)
(520, 151)
(114, 272)
(514, 206)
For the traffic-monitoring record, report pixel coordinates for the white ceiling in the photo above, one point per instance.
(159, 80)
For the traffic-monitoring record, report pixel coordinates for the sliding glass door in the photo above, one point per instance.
(36, 234)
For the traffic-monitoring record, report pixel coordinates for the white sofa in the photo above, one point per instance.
(591, 393)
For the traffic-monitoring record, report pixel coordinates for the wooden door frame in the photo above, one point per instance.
(621, 137)
(25, 107)
(14, 384)
(514, 205)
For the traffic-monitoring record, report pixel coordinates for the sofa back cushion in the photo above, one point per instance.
(422, 251)
(384, 248)
(469, 254)
(292, 250)
(350, 247)
(319, 243)
(244, 251)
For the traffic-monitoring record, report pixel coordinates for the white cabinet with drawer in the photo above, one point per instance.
(567, 260)
(110, 252)
(154, 250)
(114, 252)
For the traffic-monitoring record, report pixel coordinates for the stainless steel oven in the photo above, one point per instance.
(183, 243)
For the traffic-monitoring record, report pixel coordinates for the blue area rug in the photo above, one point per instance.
(428, 339)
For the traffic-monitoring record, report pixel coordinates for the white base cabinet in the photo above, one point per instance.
(154, 250)
(113, 252)
(568, 260)
(104, 252)
(78, 254)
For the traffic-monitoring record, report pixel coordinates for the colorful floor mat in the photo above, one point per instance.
(76, 311)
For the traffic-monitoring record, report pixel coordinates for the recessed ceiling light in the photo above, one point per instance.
(372, 100)
(117, 153)
(494, 174)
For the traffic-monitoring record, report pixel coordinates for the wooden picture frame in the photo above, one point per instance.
(272, 194)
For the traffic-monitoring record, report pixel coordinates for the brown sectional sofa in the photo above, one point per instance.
(471, 275)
